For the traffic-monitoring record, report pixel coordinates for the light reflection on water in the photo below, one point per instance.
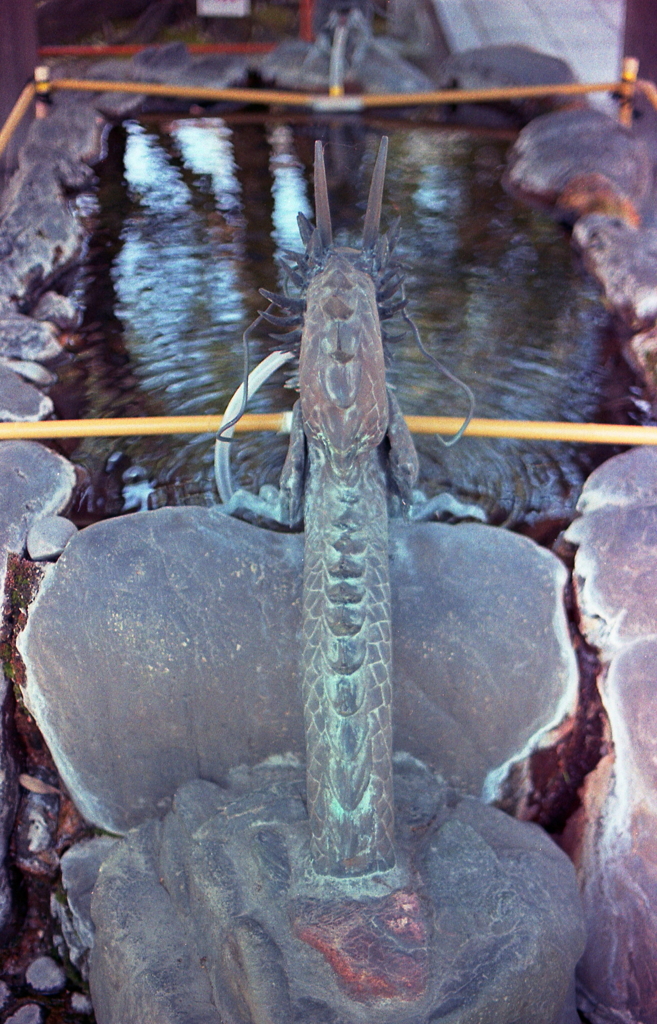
(193, 230)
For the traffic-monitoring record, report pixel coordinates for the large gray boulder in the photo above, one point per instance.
(164, 646)
(212, 916)
(614, 836)
(574, 162)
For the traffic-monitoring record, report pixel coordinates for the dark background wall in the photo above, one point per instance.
(18, 56)
(641, 35)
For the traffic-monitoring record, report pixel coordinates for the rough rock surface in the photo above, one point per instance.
(641, 353)
(211, 915)
(624, 262)
(20, 401)
(174, 635)
(575, 162)
(22, 337)
(614, 835)
(40, 234)
(80, 865)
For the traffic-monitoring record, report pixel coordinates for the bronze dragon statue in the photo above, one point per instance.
(350, 451)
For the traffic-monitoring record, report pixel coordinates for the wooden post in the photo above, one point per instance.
(306, 20)
(18, 49)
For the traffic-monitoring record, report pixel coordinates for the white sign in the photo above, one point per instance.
(223, 8)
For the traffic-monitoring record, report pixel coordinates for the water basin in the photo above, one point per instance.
(190, 218)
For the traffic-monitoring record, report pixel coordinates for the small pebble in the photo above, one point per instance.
(45, 976)
(28, 1013)
(81, 1003)
(5, 993)
(48, 536)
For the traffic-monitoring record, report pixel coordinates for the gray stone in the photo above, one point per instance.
(22, 337)
(372, 64)
(48, 537)
(157, 633)
(45, 975)
(5, 994)
(58, 309)
(33, 372)
(574, 162)
(210, 912)
(623, 260)
(36, 829)
(20, 401)
(80, 866)
(81, 1003)
(489, 67)
(612, 837)
(28, 1013)
(36, 482)
(173, 65)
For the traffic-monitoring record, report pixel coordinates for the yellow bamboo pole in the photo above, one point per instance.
(16, 115)
(337, 103)
(534, 430)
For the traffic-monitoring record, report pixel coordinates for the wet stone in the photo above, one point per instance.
(46, 976)
(116, 633)
(580, 161)
(48, 537)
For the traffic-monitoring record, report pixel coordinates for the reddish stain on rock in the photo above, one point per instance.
(378, 949)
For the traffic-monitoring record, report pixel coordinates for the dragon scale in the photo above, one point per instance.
(346, 655)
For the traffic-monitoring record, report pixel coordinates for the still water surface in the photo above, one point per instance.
(191, 217)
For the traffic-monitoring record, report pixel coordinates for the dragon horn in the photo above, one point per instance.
(375, 199)
(322, 212)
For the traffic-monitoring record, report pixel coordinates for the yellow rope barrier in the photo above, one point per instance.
(16, 114)
(334, 103)
(535, 430)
